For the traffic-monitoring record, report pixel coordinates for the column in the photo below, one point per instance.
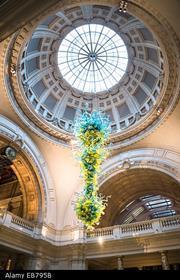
(120, 263)
(78, 264)
(164, 260)
(36, 262)
(77, 260)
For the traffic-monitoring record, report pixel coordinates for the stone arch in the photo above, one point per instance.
(137, 173)
(32, 173)
(163, 160)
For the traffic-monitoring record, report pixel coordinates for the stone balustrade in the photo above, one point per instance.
(77, 235)
(22, 223)
(108, 231)
(12, 221)
(129, 229)
(170, 222)
(135, 229)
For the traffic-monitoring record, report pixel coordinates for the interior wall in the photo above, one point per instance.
(166, 136)
(65, 171)
(62, 165)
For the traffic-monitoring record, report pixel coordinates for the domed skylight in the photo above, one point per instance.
(95, 56)
(92, 58)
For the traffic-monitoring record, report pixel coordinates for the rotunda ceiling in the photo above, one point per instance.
(93, 56)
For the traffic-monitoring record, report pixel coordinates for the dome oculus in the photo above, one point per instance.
(92, 58)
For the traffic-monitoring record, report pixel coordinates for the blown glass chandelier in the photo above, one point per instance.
(91, 130)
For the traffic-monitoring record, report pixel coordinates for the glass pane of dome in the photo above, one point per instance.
(92, 58)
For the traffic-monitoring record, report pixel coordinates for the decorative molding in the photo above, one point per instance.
(77, 241)
(169, 92)
(22, 142)
(159, 159)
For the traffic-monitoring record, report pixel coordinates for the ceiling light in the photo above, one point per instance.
(123, 6)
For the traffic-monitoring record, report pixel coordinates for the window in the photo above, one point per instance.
(158, 203)
(92, 58)
(164, 213)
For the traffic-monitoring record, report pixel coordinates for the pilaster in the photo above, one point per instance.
(37, 262)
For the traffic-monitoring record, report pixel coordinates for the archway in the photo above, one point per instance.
(136, 173)
(20, 193)
(31, 172)
(133, 184)
(11, 195)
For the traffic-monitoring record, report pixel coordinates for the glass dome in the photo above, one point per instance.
(81, 57)
(92, 58)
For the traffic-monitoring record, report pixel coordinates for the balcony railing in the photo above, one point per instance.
(79, 235)
(12, 221)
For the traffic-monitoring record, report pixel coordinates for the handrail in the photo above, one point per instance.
(135, 227)
(132, 229)
(80, 235)
(170, 221)
(100, 232)
(22, 222)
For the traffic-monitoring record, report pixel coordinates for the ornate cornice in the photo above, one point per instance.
(159, 159)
